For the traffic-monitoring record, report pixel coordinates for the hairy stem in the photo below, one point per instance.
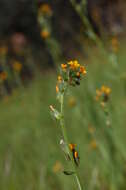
(67, 143)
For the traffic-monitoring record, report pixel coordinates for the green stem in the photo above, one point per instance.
(67, 143)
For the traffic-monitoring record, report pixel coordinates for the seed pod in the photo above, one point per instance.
(68, 172)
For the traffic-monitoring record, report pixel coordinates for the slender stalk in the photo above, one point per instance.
(67, 143)
(90, 29)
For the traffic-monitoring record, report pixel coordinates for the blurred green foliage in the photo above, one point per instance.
(29, 143)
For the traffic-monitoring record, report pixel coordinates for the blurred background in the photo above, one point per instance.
(36, 36)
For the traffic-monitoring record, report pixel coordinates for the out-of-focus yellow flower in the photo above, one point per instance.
(83, 70)
(17, 66)
(45, 34)
(72, 101)
(115, 44)
(78, 74)
(93, 144)
(59, 78)
(3, 75)
(103, 92)
(3, 50)
(91, 129)
(45, 9)
(57, 89)
(98, 94)
(57, 167)
(64, 66)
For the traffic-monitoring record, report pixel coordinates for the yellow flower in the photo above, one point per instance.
(78, 74)
(106, 90)
(74, 64)
(64, 66)
(83, 70)
(71, 65)
(98, 94)
(115, 44)
(3, 75)
(45, 34)
(45, 9)
(75, 71)
(17, 66)
(114, 41)
(59, 78)
(57, 89)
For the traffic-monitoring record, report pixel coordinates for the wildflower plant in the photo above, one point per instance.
(71, 74)
(45, 13)
(103, 96)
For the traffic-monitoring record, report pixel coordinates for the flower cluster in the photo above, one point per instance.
(103, 94)
(71, 74)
